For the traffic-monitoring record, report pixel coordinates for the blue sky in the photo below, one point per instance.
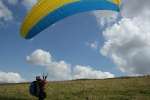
(69, 40)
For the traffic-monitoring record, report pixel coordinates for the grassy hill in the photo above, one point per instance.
(109, 89)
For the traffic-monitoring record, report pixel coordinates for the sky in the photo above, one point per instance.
(94, 45)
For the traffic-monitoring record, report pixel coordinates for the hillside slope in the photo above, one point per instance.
(108, 89)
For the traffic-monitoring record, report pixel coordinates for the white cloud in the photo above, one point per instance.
(39, 57)
(10, 77)
(133, 8)
(105, 17)
(93, 45)
(5, 13)
(87, 72)
(61, 70)
(28, 3)
(128, 42)
(57, 70)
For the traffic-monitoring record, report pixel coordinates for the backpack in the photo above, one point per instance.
(34, 88)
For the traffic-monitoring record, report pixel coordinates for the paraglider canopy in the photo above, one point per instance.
(47, 12)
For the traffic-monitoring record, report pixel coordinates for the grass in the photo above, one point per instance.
(137, 88)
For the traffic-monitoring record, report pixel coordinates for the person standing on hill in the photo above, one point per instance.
(42, 92)
(37, 88)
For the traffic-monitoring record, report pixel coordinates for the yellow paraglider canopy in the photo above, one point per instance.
(47, 12)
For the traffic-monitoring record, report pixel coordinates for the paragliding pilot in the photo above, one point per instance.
(37, 88)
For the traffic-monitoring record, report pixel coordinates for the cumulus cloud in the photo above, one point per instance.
(61, 70)
(128, 41)
(39, 57)
(57, 70)
(10, 77)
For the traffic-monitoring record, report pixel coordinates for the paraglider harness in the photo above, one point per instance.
(35, 86)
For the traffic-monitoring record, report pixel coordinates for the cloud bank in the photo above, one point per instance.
(127, 42)
(61, 70)
(10, 77)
